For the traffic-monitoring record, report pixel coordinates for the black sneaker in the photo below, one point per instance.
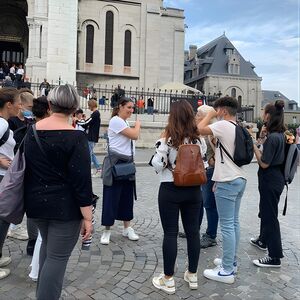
(206, 241)
(258, 243)
(268, 262)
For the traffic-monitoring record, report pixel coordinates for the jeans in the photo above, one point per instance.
(150, 110)
(228, 199)
(209, 203)
(58, 241)
(93, 156)
(187, 201)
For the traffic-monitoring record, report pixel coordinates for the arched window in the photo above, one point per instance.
(127, 49)
(109, 38)
(240, 101)
(233, 93)
(89, 51)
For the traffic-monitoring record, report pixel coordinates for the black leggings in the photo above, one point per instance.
(187, 200)
(270, 185)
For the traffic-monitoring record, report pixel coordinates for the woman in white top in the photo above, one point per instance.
(10, 105)
(181, 129)
(118, 194)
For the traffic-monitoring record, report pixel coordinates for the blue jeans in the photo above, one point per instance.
(93, 156)
(150, 110)
(209, 203)
(228, 199)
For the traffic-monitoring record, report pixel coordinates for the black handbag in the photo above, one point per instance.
(123, 170)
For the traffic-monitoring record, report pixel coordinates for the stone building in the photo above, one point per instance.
(137, 43)
(218, 69)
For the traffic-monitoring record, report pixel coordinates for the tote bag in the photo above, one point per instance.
(12, 191)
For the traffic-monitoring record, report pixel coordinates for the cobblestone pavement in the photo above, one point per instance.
(124, 269)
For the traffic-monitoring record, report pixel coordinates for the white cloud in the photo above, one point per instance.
(272, 47)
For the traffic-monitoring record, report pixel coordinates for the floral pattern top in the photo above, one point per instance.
(164, 159)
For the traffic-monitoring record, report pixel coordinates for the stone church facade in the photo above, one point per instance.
(136, 43)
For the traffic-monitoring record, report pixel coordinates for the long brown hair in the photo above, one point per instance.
(275, 123)
(181, 123)
(123, 101)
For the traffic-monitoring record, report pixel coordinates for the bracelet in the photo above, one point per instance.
(89, 220)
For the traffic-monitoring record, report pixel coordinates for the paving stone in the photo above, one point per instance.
(124, 269)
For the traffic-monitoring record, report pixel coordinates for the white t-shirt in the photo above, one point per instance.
(12, 70)
(224, 131)
(7, 149)
(117, 141)
(20, 71)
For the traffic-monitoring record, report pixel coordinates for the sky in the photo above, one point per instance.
(266, 32)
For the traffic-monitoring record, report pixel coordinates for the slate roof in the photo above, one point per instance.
(218, 60)
(269, 96)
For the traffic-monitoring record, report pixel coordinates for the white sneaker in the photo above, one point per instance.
(218, 262)
(191, 279)
(4, 273)
(129, 232)
(18, 234)
(5, 260)
(166, 285)
(219, 274)
(105, 237)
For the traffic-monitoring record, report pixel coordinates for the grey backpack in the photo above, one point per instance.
(292, 156)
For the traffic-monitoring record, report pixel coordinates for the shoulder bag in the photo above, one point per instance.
(12, 189)
(122, 170)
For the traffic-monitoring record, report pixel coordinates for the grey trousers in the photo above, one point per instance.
(32, 229)
(3, 232)
(58, 240)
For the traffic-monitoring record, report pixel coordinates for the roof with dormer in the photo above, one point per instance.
(214, 55)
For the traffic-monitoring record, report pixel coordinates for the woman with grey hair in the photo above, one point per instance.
(58, 188)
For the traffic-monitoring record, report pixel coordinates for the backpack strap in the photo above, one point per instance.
(222, 148)
(285, 201)
(5, 137)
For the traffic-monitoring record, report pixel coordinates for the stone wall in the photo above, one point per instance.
(157, 44)
(248, 88)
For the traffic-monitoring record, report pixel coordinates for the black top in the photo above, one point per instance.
(15, 123)
(92, 126)
(150, 102)
(19, 127)
(273, 150)
(48, 195)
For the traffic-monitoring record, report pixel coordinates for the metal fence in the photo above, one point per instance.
(103, 94)
(161, 99)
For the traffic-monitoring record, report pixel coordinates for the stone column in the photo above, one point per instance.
(62, 40)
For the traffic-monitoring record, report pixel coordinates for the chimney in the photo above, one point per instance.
(186, 55)
(193, 51)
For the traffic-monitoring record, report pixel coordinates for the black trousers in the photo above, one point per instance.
(270, 185)
(187, 201)
(3, 230)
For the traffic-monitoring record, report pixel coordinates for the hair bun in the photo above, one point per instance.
(279, 104)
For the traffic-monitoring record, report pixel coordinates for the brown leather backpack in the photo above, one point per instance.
(189, 169)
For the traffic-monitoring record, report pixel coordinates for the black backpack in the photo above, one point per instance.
(244, 151)
(291, 161)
